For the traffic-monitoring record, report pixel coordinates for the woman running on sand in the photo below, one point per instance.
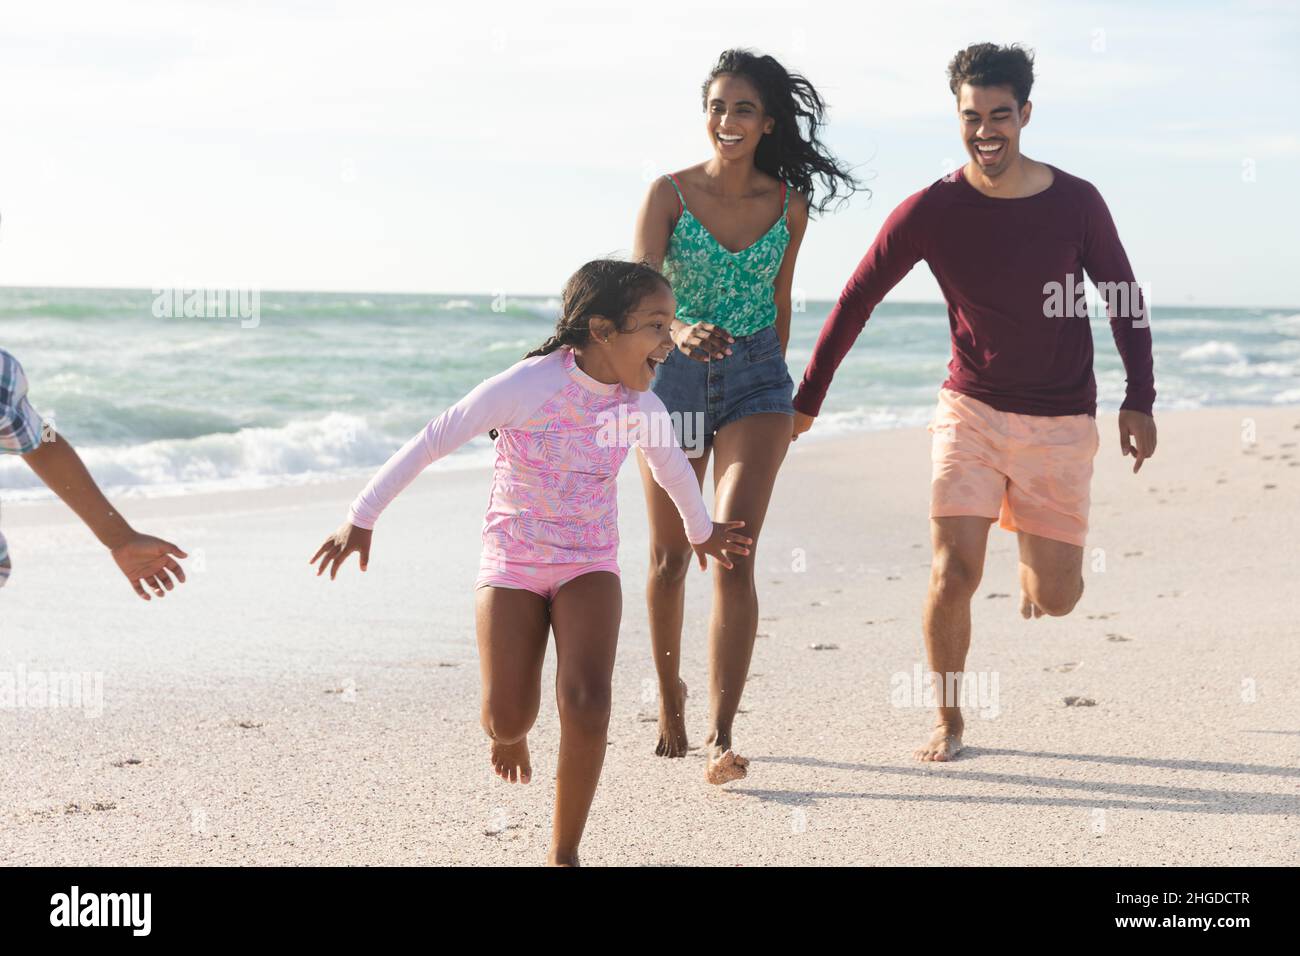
(563, 419)
(726, 233)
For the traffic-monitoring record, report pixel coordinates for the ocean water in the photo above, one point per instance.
(328, 385)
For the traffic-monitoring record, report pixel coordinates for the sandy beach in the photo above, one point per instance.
(264, 716)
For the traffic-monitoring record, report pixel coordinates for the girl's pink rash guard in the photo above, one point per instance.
(562, 438)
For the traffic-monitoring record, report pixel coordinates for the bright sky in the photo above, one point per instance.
(480, 147)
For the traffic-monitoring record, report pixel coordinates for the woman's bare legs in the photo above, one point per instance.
(747, 454)
(512, 627)
(671, 558)
(585, 615)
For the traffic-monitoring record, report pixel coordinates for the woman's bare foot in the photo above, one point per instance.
(511, 761)
(672, 724)
(562, 859)
(723, 764)
(944, 744)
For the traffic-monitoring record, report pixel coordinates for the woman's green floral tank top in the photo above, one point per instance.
(733, 290)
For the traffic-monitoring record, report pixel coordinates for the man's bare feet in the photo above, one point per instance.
(672, 724)
(944, 744)
(511, 761)
(1028, 608)
(723, 764)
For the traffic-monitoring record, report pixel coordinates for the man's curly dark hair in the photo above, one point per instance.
(987, 64)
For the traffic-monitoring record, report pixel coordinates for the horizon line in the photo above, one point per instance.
(539, 295)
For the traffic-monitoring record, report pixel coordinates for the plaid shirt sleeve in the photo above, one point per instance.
(20, 426)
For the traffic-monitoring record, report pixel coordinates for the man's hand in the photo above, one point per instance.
(145, 560)
(801, 424)
(1137, 436)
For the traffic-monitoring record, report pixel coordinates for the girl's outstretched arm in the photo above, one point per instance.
(672, 471)
(498, 402)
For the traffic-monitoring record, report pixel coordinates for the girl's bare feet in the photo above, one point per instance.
(672, 724)
(511, 761)
(944, 744)
(724, 764)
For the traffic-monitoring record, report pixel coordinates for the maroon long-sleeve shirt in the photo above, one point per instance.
(1015, 346)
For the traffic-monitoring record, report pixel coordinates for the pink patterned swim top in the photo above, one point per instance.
(563, 436)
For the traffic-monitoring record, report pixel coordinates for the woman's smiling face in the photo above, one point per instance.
(734, 117)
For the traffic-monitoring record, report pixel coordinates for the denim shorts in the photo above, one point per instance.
(703, 397)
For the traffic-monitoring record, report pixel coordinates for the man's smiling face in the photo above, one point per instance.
(991, 121)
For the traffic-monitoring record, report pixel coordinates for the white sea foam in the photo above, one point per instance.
(1214, 350)
(328, 447)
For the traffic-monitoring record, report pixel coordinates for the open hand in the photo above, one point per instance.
(145, 560)
(702, 341)
(723, 542)
(339, 545)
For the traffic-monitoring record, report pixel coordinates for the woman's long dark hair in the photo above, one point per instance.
(606, 287)
(788, 153)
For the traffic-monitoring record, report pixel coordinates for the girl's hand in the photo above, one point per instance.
(722, 542)
(339, 545)
(710, 341)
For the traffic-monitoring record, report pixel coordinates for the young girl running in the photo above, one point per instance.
(727, 232)
(564, 419)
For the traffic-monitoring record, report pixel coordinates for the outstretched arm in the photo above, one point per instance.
(672, 471)
(494, 403)
(144, 559)
(889, 259)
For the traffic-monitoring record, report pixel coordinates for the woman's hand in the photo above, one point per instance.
(339, 545)
(710, 341)
(722, 542)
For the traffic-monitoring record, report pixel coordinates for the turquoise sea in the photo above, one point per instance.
(329, 384)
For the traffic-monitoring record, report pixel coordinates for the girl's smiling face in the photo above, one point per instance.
(734, 117)
(632, 355)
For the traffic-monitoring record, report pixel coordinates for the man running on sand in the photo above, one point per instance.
(1015, 432)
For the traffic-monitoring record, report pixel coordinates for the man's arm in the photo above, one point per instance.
(1108, 267)
(889, 259)
(144, 559)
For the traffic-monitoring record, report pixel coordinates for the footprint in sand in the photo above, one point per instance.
(1063, 668)
(1117, 637)
(247, 724)
(1101, 617)
(995, 594)
(823, 647)
(763, 634)
(892, 577)
(98, 805)
(1080, 702)
(1132, 554)
(128, 762)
